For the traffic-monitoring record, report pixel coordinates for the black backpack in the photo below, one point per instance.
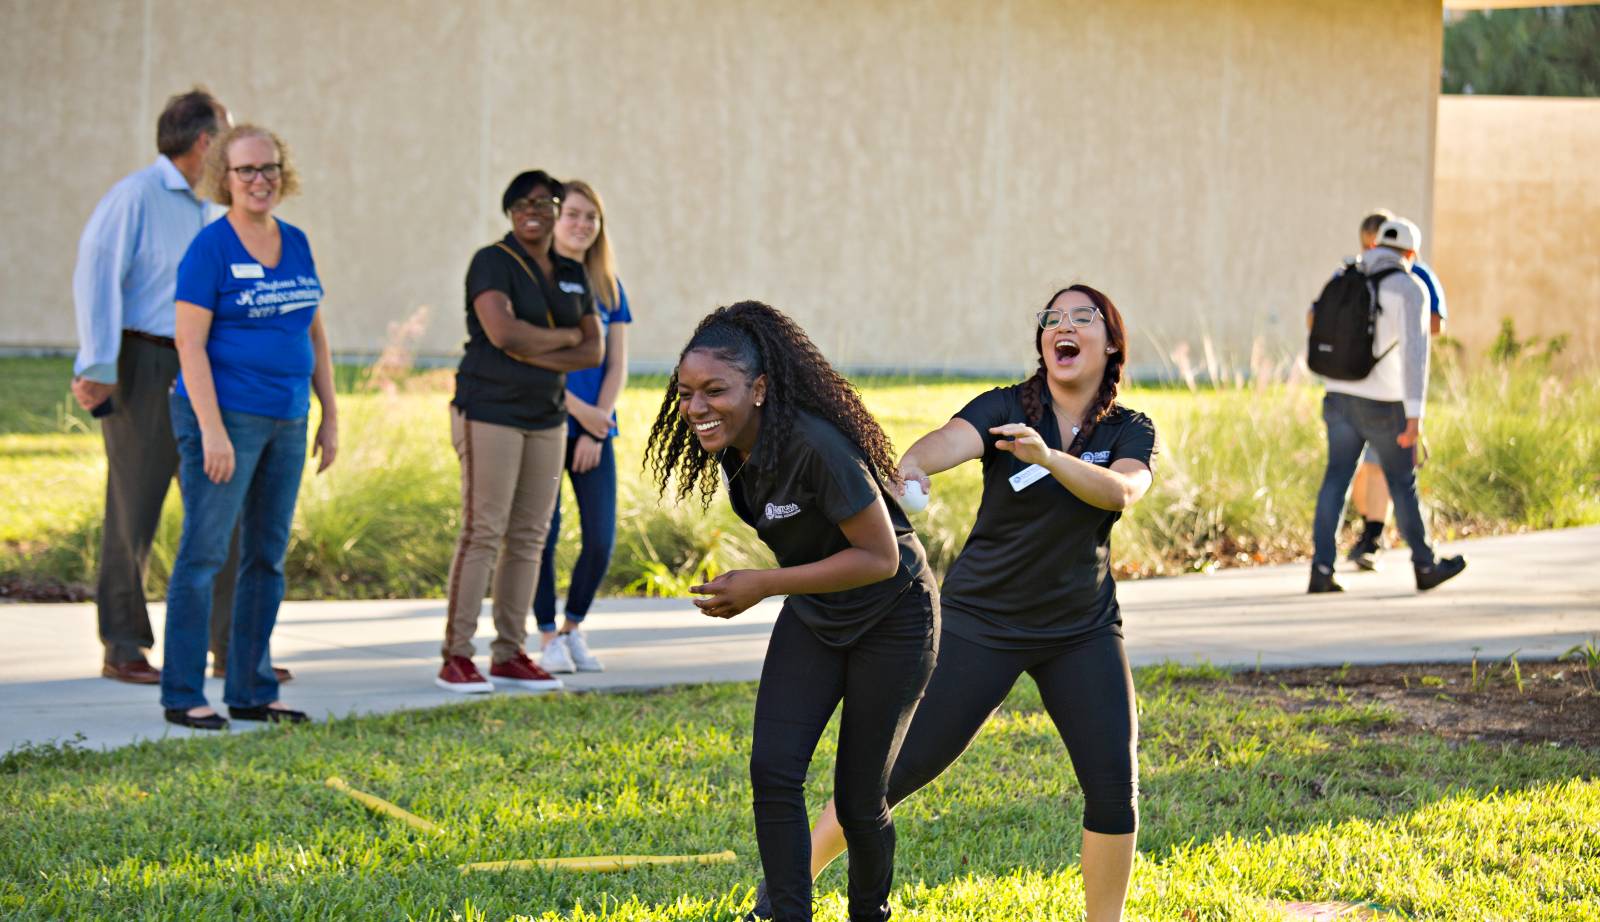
(1344, 320)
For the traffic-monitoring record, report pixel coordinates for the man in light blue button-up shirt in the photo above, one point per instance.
(124, 287)
(128, 262)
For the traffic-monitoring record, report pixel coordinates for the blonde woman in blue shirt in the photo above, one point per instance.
(252, 345)
(591, 399)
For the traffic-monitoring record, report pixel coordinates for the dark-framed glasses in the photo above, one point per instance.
(271, 172)
(544, 203)
(1080, 316)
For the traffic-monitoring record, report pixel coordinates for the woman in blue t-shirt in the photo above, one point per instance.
(252, 348)
(591, 398)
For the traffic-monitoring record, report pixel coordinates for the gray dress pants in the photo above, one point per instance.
(141, 459)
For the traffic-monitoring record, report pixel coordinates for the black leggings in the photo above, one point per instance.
(1088, 691)
(880, 678)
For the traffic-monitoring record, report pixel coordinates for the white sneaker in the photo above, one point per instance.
(557, 657)
(578, 653)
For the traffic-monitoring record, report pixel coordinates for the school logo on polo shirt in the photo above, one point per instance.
(1097, 457)
(775, 512)
(572, 288)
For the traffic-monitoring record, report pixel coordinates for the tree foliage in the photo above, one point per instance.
(1545, 51)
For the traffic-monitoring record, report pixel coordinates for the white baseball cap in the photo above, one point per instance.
(1400, 234)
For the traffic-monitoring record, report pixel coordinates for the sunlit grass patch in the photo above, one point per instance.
(1244, 801)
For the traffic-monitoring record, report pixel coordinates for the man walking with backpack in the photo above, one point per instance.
(1369, 492)
(1369, 341)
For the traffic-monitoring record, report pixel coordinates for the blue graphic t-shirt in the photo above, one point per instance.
(260, 342)
(585, 382)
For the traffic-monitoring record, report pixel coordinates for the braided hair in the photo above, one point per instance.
(1105, 399)
(759, 339)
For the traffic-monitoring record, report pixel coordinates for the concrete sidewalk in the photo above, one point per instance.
(1538, 594)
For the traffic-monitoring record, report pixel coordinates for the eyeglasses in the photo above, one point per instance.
(1080, 316)
(271, 172)
(545, 204)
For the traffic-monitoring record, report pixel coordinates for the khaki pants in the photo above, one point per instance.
(510, 481)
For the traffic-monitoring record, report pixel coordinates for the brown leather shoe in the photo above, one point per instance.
(134, 672)
(284, 675)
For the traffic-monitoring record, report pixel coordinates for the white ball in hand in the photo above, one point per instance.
(914, 499)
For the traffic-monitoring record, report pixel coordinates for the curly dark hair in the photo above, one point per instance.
(759, 339)
(1105, 399)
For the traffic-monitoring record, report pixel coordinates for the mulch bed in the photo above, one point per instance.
(1556, 704)
(15, 587)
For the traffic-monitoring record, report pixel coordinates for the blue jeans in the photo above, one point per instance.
(1353, 424)
(269, 455)
(596, 492)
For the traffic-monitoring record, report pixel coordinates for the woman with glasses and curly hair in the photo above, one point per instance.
(251, 349)
(1032, 589)
(753, 401)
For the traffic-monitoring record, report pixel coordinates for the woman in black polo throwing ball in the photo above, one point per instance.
(1032, 589)
(808, 468)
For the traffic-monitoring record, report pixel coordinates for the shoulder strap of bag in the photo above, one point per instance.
(549, 318)
(1374, 280)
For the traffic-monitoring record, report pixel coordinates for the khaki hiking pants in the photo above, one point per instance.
(510, 481)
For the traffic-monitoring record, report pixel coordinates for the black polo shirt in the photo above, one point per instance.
(493, 387)
(1036, 569)
(795, 500)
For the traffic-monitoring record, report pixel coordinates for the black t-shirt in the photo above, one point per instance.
(493, 387)
(1036, 569)
(795, 501)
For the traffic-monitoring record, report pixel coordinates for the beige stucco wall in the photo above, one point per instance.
(1517, 210)
(909, 179)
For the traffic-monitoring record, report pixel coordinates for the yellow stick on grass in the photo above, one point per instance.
(381, 805)
(599, 862)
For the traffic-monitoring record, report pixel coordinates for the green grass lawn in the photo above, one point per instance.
(1514, 448)
(1310, 797)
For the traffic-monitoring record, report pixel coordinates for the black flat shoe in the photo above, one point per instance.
(270, 715)
(180, 716)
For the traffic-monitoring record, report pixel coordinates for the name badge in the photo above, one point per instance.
(1028, 476)
(248, 271)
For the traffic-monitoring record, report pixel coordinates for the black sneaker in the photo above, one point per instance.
(762, 911)
(1443, 569)
(1323, 582)
(1364, 554)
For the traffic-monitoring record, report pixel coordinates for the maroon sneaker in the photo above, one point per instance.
(461, 677)
(523, 671)
(134, 672)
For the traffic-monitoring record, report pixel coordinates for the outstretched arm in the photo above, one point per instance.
(1115, 488)
(953, 443)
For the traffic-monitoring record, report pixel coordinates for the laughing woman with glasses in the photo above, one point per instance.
(1032, 589)
(252, 348)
